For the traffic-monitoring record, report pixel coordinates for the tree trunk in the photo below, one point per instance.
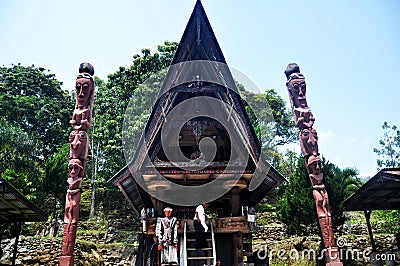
(94, 175)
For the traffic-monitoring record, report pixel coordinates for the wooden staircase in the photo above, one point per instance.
(189, 255)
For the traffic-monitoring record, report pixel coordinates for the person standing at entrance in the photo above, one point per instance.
(251, 218)
(167, 234)
(200, 227)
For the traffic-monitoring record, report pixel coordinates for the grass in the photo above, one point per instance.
(91, 232)
(382, 221)
(115, 245)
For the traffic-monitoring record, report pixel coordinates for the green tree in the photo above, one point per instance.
(112, 99)
(296, 208)
(16, 158)
(35, 109)
(55, 185)
(274, 126)
(389, 150)
(111, 102)
(389, 153)
(284, 162)
(34, 100)
(340, 184)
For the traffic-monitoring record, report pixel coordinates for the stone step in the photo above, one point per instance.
(194, 239)
(191, 249)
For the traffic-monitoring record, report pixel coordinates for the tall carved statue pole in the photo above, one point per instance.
(304, 119)
(79, 143)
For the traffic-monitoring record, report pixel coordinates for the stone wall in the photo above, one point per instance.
(355, 248)
(110, 247)
(270, 233)
(46, 251)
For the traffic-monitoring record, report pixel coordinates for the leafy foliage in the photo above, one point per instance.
(16, 148)
(271, 120)
(284, 162)
(386, 221)
(56, 169)
(34, 122)
(296, 207)
(34, 100)
(112, 100)
(16, 154)
(340, 184)
(389, 147)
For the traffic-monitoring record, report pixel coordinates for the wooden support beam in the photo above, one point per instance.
(17, 233)
(159, 208)
(371, 237)
(235, 201)
(237, 248)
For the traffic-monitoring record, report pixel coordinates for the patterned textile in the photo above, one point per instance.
(166, 231)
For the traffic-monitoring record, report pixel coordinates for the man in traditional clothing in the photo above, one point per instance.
(166, 231)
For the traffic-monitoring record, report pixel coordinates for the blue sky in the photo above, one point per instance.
(348, 51)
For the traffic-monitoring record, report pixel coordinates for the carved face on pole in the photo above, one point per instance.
(309, 141)
(297, 88)
(79, 148)
(74, 168)
(314, 165)
(84, 88)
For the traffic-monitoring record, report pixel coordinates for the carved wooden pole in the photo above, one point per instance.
(304, 119)
(81, 121)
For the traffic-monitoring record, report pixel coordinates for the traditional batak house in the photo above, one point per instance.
(198, 110)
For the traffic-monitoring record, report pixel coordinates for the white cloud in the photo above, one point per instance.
(338, 160)
(294, 146)
(368, 175)
(350, 141)
(324, 136)
(365, 142)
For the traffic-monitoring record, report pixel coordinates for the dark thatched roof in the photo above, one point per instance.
(381, 192)
(14, 207)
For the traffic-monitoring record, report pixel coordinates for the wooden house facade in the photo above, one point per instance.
(156, 177)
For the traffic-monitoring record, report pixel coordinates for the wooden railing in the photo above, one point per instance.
(220, 225)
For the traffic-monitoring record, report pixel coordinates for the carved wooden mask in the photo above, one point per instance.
(297, 89)
(84, 88)
(314, 165)
(309, 142)
(75, 168)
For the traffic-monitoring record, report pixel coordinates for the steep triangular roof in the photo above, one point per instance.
(199, 45)
(198, 41)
